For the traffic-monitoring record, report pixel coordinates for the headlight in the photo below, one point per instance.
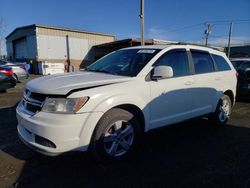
(64, 105)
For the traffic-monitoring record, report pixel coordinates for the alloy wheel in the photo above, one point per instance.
(118, 138)
(224, 110)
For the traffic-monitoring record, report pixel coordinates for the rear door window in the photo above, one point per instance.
(203, 62)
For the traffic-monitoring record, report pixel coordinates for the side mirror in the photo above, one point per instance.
(162, 72)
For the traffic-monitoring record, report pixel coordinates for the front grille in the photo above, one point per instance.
(31, 107)
(33, 102)
(35, 96)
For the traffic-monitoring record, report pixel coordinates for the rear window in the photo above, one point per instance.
(203, 62)
(221, 63)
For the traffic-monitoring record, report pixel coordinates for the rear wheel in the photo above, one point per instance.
(223, 111)
(115, 136)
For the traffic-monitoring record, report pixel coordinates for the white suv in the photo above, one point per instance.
(106, 108)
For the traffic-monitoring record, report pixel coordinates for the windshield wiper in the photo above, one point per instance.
(102, 71)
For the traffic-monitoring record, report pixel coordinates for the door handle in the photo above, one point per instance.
(188, 83)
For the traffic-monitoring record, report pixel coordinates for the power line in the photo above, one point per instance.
(216, 22)
(225, 38)
(228, 21)
(186, 27)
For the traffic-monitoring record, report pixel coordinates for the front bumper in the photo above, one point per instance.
(66, 132)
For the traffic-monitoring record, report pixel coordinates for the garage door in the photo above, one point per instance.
(20, 48)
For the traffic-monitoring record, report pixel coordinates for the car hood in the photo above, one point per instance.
(62, 84)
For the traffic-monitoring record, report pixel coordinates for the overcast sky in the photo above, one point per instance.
(178, 20)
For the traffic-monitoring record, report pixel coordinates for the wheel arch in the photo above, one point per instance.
(132, 108)
(230, 94)
(15, 76)
(136, 111)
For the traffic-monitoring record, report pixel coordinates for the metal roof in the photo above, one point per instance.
(58, 28)
(136, 40)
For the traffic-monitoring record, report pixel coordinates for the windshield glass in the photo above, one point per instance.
(127, 62)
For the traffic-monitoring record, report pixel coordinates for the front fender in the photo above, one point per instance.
(121, 99)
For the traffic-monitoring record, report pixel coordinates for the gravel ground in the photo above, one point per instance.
(191, 154)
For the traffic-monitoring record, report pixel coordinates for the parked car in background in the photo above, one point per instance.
(107, 108)
(19, 71)
(6, 78)
(238, 61)
(243, 86)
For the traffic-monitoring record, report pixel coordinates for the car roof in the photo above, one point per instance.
(191, 46)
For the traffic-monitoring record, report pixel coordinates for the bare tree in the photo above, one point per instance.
(2, 32)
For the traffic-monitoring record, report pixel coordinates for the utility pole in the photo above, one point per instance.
(142, 22)
(68, 53)
(229, 39)
(207, 32)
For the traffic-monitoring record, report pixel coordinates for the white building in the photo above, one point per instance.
(54, 44)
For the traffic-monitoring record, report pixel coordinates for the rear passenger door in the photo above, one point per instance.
(224, 77)
(205, 89)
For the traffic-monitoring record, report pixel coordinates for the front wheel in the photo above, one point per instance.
(115, 136)
(223, 110)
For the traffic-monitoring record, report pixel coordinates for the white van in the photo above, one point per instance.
(106, 108)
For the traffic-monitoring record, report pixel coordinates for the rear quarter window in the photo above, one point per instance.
(221, 63)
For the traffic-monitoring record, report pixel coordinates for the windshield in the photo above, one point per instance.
(127, 62)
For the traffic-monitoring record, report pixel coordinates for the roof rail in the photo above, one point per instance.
(215, 48)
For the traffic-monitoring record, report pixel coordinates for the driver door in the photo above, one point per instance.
(171, 98)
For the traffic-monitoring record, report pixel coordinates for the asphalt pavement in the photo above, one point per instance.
(191, 154)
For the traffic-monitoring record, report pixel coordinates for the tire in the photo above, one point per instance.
(223, 111)
(115, 136)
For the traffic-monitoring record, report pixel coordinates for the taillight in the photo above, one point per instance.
(8, 72)
(236, 74)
